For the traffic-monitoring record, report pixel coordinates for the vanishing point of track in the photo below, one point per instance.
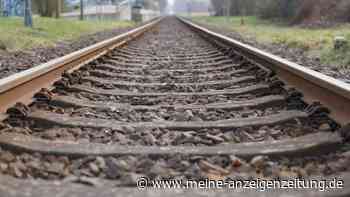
(170, 100)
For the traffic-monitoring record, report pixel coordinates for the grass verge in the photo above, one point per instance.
(316, 42)
(48, 31)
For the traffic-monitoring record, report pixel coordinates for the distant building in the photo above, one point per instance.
(106, 9)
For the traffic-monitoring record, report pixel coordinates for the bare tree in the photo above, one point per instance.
(218, 7)
(227, 7)
(81, 9)
(28, 20)
(1, 8)
(49, 8)
(236, 7)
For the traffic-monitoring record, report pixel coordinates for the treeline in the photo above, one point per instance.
(295, 11)
(48, 8)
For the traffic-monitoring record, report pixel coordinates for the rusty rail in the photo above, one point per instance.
(316, 87)
(22, 86)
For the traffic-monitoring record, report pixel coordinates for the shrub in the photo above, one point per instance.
(269, 9)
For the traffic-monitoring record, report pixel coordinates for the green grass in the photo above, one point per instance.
(317, 42)
(48, 31)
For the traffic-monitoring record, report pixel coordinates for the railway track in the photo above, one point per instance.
(170, 100)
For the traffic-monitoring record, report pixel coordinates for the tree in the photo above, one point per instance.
(49, 8)
(218, 7)
(294, 11)
(1, 8)
(235, 7)
(28, 20)
(81, 9)
(151, 4)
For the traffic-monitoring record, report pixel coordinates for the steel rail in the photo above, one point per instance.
(316, 87)
(21, 87)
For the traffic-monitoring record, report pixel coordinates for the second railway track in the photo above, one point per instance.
(171, 104)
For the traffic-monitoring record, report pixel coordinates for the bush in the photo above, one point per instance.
(268, 9)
